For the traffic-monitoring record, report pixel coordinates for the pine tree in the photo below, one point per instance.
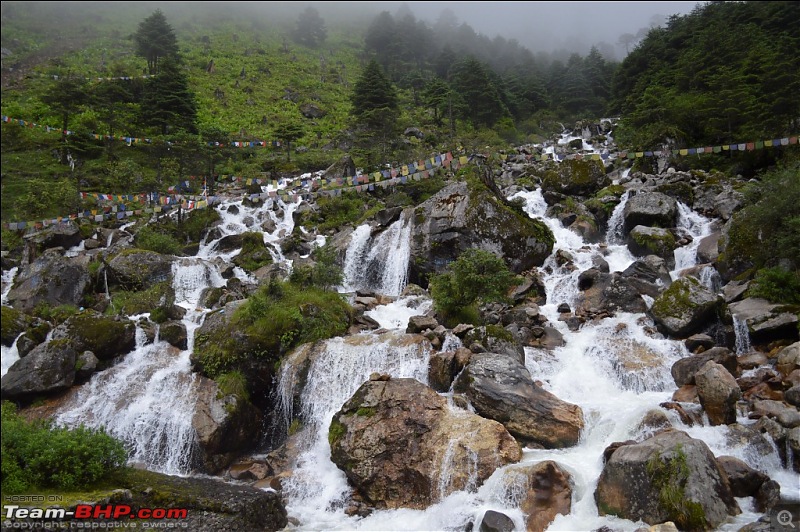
(471, 80)
(66, 97)
(374, 95)
(155, 40)
(168, 104)
(310, 28)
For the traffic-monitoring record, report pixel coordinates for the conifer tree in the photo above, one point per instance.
(168, 104)
(310, 28)
(155, 40)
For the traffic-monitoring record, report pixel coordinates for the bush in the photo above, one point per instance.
(776, 285)
(151, 240)
(233, 383)
(476, 277)
(282, 315)
(40, 455)
(324, 273)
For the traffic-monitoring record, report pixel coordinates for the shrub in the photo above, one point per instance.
(40, 455)
(151, 240)
(233, 383)
(476, 277)
(324, 273)
(776, 285)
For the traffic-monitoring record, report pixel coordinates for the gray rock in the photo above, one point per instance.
(49, 368)
(51, 279)
(652, 209)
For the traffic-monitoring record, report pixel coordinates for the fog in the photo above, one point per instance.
(539, 26)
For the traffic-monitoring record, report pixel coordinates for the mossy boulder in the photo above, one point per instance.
(14, 323)
(461, 217)
(669, 477)
(106, 337)
(686, 307)
(643, 241)
(137, 269)
(48, 369)
(652, 209)
(254, 254)
(52, 280)
(575, 177)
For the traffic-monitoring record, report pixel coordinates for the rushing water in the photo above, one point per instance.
(9, 354)
(378, 263)
(614, 369)
(148, 398)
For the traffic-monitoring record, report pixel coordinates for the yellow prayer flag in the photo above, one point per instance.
(463, 159)
(684, 152)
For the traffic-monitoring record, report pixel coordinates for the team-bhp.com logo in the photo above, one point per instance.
(87, 516)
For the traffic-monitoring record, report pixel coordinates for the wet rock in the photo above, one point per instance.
(546, 489)
(495, 522)
(418, 324)
(652, 209)
(634, 477)
(718, 393)
(106, 337)
(138, 269)
(391, 438)
(744, 480)
(684, 370)
(48, 369)
(684, 308)
(500, 387)
(51, 279)
(766, 321)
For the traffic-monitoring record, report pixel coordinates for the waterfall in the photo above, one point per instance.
(8, 283)
(9, 355)
(317, 487)
(696, 227)
(615, 233)
(147, 402)
(379, 263)
(623, 370)
(709, 277)
(742, 335)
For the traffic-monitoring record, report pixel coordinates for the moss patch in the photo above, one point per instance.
(668, 473)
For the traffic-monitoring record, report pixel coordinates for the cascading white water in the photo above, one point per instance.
(614, 234)
(695, 226)
(614, 369)
(379, 264)
(317, 488)
(742, 334)
(709, 277)
(10, 354)
(146, 401)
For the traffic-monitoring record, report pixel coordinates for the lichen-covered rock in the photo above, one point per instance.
(686, 307)
(718, 392)
(226, 425)
(49, 368)
(396, 438)
(65, 234)
(643, 241)
(652, 209)
(137, 269)
(500, 387)
(669, 477)
(766, 321)
(462, 216)
(574, 177)
(106, 337)
(52, 279)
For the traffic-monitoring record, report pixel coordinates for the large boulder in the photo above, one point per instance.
(462, 216)
(644, 240)
(652, 209)
(500, 387)
(136, 269)
(65, 234)
(575, 177)
(106, 337)
(344, 167)
(545, 490)
(718, 392)
(766, 321)
(225, 424)
(49, 368)
(686, 307)
(401, 446)
(52, 279)
(669, 477)
(685, 369)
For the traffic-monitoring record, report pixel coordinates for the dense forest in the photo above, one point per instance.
(151, 97)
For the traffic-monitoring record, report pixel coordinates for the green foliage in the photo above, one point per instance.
(254, 254)
(339, 211)
(151, 239)
(167, 103)
(57, 314)
(668, 474)
(39, 455)
(233, 383)
(155, 40)
(776, 285)
(477, 276)
(325, 273)
(374, 98)
(723, 73)
(156, 300)
(282, 315)
(766, 233)
(310, 28)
